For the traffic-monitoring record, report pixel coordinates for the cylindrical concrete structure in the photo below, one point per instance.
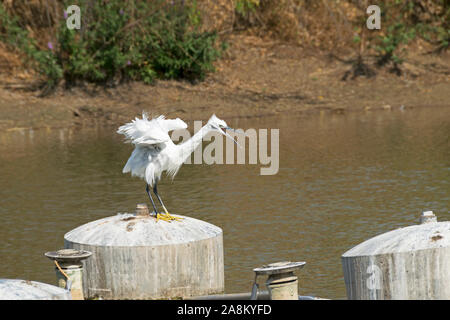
(407, 263)
(135, 257)
(16, 289)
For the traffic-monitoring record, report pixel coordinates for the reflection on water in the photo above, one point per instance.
(342, 180)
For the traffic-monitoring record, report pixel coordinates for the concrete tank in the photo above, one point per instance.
(16, 289)
(407, 263)
(135, 257)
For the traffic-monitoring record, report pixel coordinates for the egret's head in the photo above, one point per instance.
(221, 126)
(217, 124)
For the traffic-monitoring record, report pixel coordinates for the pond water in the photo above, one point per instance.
(342, 179)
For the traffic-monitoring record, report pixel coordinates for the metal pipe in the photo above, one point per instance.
(427, 217)
(142, 209)
(262, 295)
(283, 286)
(69, 270)
(281, 281)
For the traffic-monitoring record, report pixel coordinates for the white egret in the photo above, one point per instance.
(155, 152)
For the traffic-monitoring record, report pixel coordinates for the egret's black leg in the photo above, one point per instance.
(155, 191)
(151, 199)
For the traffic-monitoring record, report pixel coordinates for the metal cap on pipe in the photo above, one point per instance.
(68, 256)
(279, 267)
(142, 209)
(427, 217)
(281, 281)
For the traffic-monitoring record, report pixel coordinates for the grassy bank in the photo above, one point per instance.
(280, 57)
(144, 41)
(115, 41)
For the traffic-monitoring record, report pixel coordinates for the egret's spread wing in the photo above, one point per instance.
(171, 124)
(144, 131)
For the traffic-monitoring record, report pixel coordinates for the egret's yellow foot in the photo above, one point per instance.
(161, 216)
(170, 217)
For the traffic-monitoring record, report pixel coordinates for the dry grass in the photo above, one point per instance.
(36, 16)
(317, 23)
(327, 25)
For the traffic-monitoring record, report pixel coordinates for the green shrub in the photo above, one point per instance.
(245, 6)
(44, 61)
(389, 43)
(407, 20)
(121, 41)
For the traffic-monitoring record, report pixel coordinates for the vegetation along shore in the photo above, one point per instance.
(241, 58)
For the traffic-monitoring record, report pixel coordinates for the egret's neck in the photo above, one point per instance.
(186, 148)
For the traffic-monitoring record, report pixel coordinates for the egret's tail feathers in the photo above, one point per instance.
(151, 175)
(137, 162)
(172, 171)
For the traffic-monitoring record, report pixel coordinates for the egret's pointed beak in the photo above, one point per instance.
(224, 132)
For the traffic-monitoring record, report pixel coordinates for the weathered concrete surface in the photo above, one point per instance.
(407, 263)
(135, 257)
(16, 289)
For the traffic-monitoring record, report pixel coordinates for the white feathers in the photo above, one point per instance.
(153, 147)
(154, 151)
(171, 124)
(150, 132)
